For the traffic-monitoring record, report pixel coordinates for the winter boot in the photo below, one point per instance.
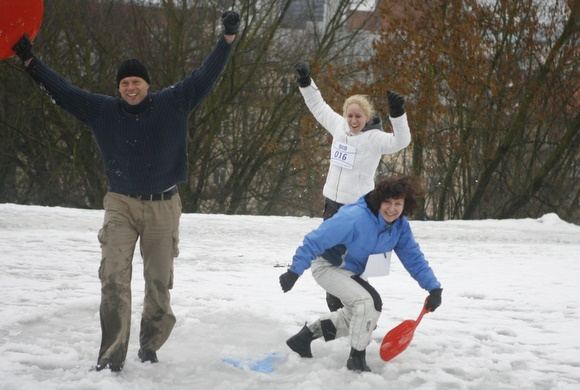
(300, 342)
(146, 355)
(115, 367)
(357, 361)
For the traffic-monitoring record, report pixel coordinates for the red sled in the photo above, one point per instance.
(399, 338)
(18, 17)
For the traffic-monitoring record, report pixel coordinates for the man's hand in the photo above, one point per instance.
(434, 299)
(231, 22)
(396, 103)
(23, 49)
(302, 74)
(287, 280)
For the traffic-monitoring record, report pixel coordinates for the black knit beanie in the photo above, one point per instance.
(132, 68)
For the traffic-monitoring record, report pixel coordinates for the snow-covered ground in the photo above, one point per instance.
(510, 317)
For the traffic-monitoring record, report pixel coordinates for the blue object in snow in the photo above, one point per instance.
(265, 365)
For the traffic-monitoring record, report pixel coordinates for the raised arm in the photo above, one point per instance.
(84, 105)
(400, 138)
(201, 81)
(324, 114)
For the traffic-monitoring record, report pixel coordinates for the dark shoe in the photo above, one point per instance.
(115, 367)
(300, 342)
(357, 361)
(147, 355)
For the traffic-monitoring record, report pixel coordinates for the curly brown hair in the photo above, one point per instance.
(407, 187)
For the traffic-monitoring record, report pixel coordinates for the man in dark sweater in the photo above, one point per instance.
(142, 138)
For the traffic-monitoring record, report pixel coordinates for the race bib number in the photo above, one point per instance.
(377, 265)
(342, 155)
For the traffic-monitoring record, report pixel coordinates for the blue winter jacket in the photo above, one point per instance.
(363, 233)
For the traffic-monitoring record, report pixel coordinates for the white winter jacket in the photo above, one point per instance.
(360, 153)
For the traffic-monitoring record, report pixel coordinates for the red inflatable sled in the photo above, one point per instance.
(18, 17)
(399, 338)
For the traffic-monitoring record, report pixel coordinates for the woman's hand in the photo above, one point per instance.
(396, 104)
(302, 74)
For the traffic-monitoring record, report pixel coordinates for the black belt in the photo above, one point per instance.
(159, 196)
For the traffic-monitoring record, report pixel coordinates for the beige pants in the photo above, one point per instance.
(156, 223)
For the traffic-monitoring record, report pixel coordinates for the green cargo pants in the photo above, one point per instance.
(156, 224)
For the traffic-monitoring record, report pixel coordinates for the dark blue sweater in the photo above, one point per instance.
(144, 147)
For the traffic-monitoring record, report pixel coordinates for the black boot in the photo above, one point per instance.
(300, 342)
(357, 361)
(115, 367)
(147, 355)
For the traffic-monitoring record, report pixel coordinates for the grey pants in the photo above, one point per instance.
(359, 316)
(156, 223)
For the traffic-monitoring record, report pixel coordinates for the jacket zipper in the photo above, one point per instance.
(339, 176)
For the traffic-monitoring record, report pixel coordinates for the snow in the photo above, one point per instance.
(509, 319)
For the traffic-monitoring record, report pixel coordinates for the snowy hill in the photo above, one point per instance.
(510, 316)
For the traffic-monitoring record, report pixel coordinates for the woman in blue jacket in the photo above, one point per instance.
(338, 251)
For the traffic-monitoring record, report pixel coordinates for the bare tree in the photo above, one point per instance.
(252, 146)
(493, 102)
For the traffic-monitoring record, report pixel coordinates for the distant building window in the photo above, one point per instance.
(301, 11)
(363, 5)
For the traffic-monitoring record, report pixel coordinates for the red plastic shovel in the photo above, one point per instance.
(399, 338)
(18, 17)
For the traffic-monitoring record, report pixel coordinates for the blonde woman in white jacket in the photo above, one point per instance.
(358, 144)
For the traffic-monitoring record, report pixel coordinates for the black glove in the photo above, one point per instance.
(396, 103)
(287, 280)
(231, 22)
(434, 299)
(23, 48)
(302, 74)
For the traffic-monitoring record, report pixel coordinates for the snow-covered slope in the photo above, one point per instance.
(510, 316)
